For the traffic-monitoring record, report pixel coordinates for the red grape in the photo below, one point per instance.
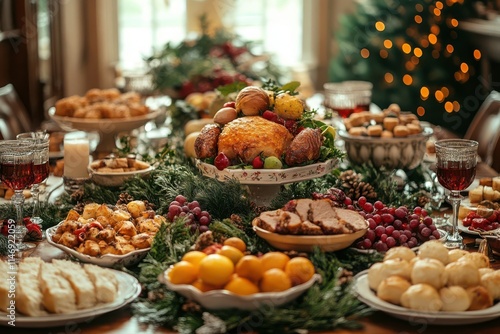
(193, 204)
(361, 201)
(379, 230)
(367, 243)
(378, 205)
(391, 242)
(180, 199)
(368, 207)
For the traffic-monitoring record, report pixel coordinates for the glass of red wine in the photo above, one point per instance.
(16, 171)
(40, 141)
(456, 169)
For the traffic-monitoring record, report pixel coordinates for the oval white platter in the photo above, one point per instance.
(107, 260)
(367, 296)
(128, 290)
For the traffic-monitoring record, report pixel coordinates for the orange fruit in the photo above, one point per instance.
(183, 272)
(203, 287)
(275, 280)
(216, 269)
(300, 270)
(241, 286)
(249, 266)
(236, 242)
(194, 257)
(233, 253)
(274, 260)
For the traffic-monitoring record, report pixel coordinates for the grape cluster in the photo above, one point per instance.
(390, 226)
(196, 219)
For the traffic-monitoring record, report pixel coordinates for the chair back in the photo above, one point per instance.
(485, 129)
(13, 115)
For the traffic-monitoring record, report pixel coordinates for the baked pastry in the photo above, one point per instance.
(375, 275)
(422, 297)
(434, 249)
(479, 297)
(390, 123)
(247, 137)
(484, 271)
(429, 271)
(399, 252)
(455, 299)
(495, 183)
(476, 194)
(391, 289)
(462, 273)
(491, 281)
(479, 260)
(401, 131)
(455, 254)
(374, 130)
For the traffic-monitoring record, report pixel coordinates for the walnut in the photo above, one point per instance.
(251, 101)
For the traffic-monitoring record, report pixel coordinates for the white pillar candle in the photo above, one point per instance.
(76, 156)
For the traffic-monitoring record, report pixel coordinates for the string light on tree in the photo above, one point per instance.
(410, 51)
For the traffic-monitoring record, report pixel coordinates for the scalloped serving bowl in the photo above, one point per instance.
(391, 153)
(223, 299)
(306, 243)
(107, 260)
(117, 179)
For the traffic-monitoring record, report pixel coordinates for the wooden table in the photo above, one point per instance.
(121, 321)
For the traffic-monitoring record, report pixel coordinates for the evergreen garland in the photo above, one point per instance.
(415, 54)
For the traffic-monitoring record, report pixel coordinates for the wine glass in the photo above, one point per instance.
(40, 141)
(456, 169)
(16, 171)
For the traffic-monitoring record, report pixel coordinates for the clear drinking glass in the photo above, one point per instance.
(16, 171)
(456, 169)
(40, 140)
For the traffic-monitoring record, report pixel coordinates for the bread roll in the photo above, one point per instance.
(390, 123)
(58, 295)
(480, 298)
(462, 273)
(4, 285)
(401, 131)
(454, 298)
(80, 282)
(455, 254)
(476, 194)
(375, 275)
(392, 288)
(429, 271)
(484, 271)
(491, 281)
(486, 181)
(374, 130)
(387, 134)
(422, 297)
(29, 298)
(477, 259)
(400, 252)
(434, 249)
(495, 183)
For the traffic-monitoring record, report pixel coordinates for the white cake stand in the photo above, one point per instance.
(107, 128)
(265, 184)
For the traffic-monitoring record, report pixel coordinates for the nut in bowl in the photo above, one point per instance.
(391, 153)
(113, 172)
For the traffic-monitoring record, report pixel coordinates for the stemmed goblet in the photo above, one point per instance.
(16, 171)
(40, 142)
(456, 169)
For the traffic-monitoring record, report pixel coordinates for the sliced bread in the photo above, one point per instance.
(80, 282)
(58, 295)
(28, 294)
(105, 282)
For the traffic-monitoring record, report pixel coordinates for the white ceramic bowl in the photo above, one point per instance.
(223, 299)
(391, 153)
(107, 260)
(306, 243)
(116, 179)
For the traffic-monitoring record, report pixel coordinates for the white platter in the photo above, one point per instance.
(367, 296)
(128, 290)
(116, 179)
(268, 176)
(107, 260)
(223, 299)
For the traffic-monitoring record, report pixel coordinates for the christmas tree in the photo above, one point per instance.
(416, 55)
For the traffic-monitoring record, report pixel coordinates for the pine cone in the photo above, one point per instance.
(77, 196)
(422, 201)
(191, 306)
(124, 198)
(204, 240)
(359, 189)
(345, 277)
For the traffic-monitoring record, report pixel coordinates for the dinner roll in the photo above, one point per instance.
(391, 289)
(400, 252)
(478, 259)
(434, 249)
(429, 271)
(381, 270)
(484, 271)
(375, 275)
(462, 273)
(455, 254)
(491, 281)
(422, 297)
(454, 298)
(480, 298)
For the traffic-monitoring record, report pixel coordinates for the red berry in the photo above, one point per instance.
(257, 162)
(221, 161)
(270, 116)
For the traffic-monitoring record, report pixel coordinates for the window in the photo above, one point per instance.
(274, 25)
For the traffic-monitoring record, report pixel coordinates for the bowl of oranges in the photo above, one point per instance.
(228, 277)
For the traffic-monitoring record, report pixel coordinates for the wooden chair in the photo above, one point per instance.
(485, 129)
(13, 115)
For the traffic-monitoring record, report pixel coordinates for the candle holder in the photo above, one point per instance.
(72, 185)
(76, 161)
